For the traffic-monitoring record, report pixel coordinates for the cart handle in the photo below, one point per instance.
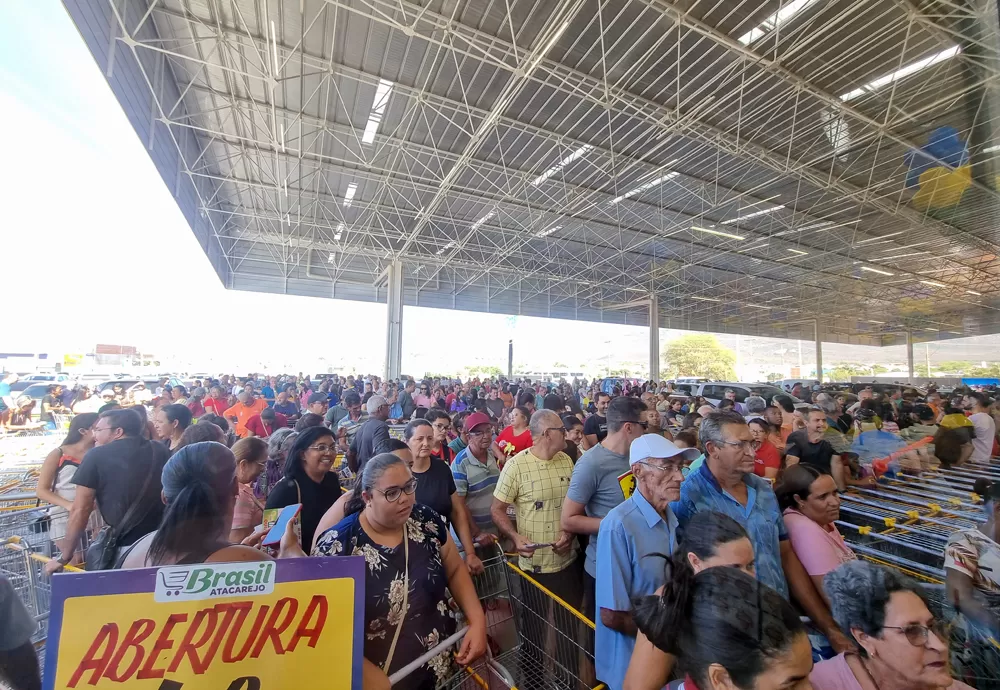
(14, 543)
(430, 654)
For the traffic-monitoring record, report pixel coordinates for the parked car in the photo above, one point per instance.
(51, 378)
(714, 391)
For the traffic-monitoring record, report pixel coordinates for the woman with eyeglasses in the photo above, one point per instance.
(308, 479)
(900, 645)
(412, 564)
(436, 486)
(441, 422)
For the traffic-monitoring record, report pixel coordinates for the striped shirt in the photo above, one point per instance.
(475, 481)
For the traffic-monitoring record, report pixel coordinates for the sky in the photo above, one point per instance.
(108, 258)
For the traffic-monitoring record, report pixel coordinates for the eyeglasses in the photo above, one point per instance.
(560, 429)
(471, 434)
(644, 425)
(323, 448)
(917, 634)
(751, 446)
(95, 429)
(392, 494)
(442, 427)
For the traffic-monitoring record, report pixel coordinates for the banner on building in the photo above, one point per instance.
(292, 623)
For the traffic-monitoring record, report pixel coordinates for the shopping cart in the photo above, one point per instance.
(534, 639)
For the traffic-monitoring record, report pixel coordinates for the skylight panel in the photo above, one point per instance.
(338, 232)
(902, 72)
(475, 226)
(445, 248)
(583, 150)
(877, 270)
(547, 231)
(352, 189)
(782, 16)
(710, 231)
(647, 185)
(748, 216)
(382, 93)
(797, 251)
(704, 299)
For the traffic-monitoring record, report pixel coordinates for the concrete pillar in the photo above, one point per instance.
(654, 338)
(818, 332)
(394, 321)
(909, 356)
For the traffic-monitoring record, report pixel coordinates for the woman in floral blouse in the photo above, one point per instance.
(412, 565)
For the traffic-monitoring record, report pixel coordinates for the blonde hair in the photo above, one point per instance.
(251, 449)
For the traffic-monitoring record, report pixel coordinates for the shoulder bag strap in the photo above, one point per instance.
(133, 508)
(406, 593)
(298, 490)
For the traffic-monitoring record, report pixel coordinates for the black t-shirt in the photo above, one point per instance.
(596, 424)
(316, 500)
(818, 454)
(435, 487)
(116, 472)
(47, 404)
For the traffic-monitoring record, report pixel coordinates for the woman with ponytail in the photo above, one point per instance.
(709, 540)
(412, 563)
(199, 491)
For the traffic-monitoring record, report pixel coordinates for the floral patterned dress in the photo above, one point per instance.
(428, 619)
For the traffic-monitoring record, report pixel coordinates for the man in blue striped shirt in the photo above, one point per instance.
(476, 472)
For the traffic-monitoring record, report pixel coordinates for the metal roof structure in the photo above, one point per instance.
(752, 165)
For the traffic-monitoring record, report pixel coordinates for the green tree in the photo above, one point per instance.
(955, 366)
(774, 376)
(699, 354)
(845, 370)
(483, 370)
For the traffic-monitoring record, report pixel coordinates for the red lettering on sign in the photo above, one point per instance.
(272, 631)
(317, 606)
(104, 643)
(136, 635)
(234, 632)
(162, 644)
(188, 647)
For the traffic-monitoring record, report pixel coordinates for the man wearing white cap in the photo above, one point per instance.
(629, 536)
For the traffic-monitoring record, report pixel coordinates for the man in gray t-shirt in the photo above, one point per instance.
(594, 488)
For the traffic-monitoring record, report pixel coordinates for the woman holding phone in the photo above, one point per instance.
(199, 490)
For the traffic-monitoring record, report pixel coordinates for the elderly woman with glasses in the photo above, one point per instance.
(900, 645)
(412, 564)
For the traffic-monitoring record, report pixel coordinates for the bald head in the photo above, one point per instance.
(542, 420)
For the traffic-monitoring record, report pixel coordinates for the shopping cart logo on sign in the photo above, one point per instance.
(211, 581)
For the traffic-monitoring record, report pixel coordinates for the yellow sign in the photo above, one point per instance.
(233, 633)
(72, 360)
(627, 482)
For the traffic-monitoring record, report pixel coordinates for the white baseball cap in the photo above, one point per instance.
(655, 446)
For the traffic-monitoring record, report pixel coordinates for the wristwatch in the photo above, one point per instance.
(62, 560)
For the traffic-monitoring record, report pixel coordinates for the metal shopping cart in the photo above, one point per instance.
(535, 640)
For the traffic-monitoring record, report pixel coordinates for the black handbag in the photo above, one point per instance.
(102, 554)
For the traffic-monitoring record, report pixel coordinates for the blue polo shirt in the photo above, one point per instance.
(626, 568)
(760, 517)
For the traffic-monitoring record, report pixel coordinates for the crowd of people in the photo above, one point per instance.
(696, 537)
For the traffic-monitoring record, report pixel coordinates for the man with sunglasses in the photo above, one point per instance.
(631, 537)
(725, 483)
(476, 471)
(595, 487)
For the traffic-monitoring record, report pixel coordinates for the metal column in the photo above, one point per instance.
(394, 321)
(818, 333)
(909, 356)
(654, 338)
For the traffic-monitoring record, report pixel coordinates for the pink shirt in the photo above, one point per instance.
(836, 674)
(820, 550)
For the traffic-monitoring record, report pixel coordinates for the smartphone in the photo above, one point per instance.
(540, 546)
(277, 531)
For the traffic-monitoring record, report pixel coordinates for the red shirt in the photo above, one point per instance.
(259, 428)
(767, 456)
(519, 442)
(197, 409)
(216, 405)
